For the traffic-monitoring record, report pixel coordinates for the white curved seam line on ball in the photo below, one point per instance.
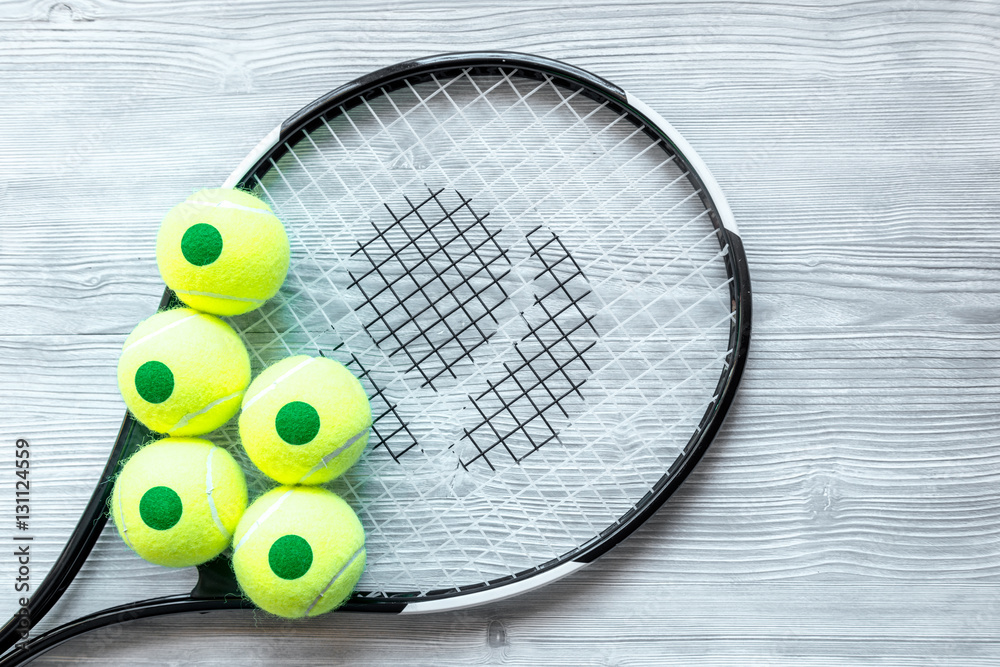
(334, 454)
(209, 488)
(282, 378)
(268, 512)
(357, 554)
(186, 419)
(159, 331)
(220, 296)
(121, 512)
(229, 204)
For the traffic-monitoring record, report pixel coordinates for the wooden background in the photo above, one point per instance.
(849, 513)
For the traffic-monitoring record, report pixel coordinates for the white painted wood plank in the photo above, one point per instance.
(849, 513)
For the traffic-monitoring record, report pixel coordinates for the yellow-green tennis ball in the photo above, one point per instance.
(222, 251)
(298, 551)
(177, 501)
(305, 420)
(183, 373)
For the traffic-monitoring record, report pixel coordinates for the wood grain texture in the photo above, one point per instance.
(849, 512)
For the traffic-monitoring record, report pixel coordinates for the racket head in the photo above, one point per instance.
(460, 223)
(525, 254)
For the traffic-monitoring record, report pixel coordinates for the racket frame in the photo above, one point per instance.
(215, 587)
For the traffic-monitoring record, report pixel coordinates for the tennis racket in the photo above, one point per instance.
(542, 289)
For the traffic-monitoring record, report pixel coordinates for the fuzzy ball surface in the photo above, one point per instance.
(177, 501)
(298, 551)
(305, 420)
(222, 251)
(182, 372)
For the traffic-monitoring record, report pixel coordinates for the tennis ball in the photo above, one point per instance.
(177, 501)
(305, 420)
(299, 551)
(222, 251)
(183, 373)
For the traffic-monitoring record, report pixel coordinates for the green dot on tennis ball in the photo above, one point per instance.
(201, 244)
(154, 381)
(290, 557)
(160, 508)
(297, 423)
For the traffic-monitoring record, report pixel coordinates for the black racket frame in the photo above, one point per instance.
(216, 588)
